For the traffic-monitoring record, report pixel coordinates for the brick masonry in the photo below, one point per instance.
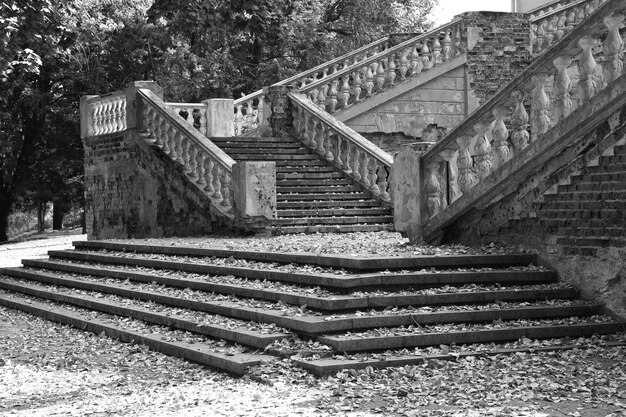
(133, 190)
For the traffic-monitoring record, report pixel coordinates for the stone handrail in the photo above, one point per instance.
(377, 73)
(103, 114)
(501, 138)
(550, 23)
(249, 108)
(346, 149)
(206, 165)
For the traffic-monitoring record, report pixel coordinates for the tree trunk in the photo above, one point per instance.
(58, 213)
(41, 216)
(5, 210)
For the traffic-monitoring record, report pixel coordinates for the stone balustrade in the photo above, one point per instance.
(552, 22)
(249, 108)
(193, 113)
(206, 165)
(343, 147)
(101, 115)
(345, 87)
(497, 136)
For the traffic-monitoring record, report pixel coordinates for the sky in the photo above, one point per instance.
(448, 8)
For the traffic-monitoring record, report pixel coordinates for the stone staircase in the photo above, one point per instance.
(233, 309)
(586, 212)
(312, 196)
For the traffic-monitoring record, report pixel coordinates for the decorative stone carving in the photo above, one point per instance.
(433, 189)
(539, 119)
(614, 47)
(466, 178)
(586, 67)
(500, 134)
(562, 85)
(482, 150)
(519, 122)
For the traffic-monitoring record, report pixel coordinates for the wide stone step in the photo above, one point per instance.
(308, 323)
(584, 232)
(311, 205)
(371, 262)
(288, 164)
(329, 301)
(338, 220)
(269, 153)
(582, 214)
(333, 212)
(587, 186)
(330, 279)
(316, 189)
(313, 182)
(594, 242)
(253, 139)
(173, 318)
(293, 158)
(308, 175)
(584, 205)
(258, 145)
(330, 196)
(619, 177)
(304, 169)
(195, 352)
(608, 168)
(586, 196)
(359, 343)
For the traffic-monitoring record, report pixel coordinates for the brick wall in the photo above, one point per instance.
(498, 49)
(135, 191)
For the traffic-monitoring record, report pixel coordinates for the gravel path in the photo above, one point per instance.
(11, 254)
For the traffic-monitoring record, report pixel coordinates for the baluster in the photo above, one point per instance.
(551, 29)
(426, 62)
(167, 140)
(380, 76)
(336, 149)
(313, 95)
(345, 91)
(185, 155)
(193, 153)
(147, 120)
(447, 47)
(202, 120)
(586, 68)
(217, 183)
(404, 64)
(239, 120)
(562, 85)
(178, 143)
(614, 47)
(571, 20)
(260, 111)
(250, 116)
(561, 26)
(321, 97)
(519, 121)
(356, 89)
(158, 132)
(356, 169)
(95, 116)
(482, 150)
(318, 137)
(501, 151)
(436, 58)
(326, 137)
(383, 182)
(117, 112)
(104, 120)
(541, 40)
(450, 156)
(363, 169)
(311, 127)
(208, 174)
(391, 69)
(334, 70)
(345, 156)
(226, 191)
(416, 62)
(580, 15)
(200, 157)
(372, 167)
(458, 41)
(433, 189)
(332, 96)
(369, 80)
(539, 119)
(466, 178)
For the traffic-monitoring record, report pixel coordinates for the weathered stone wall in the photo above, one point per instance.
(439, 103)
(135, 191)
(498, 49)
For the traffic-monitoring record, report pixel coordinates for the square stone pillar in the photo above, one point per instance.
(220, 117)
(254, 185)
(406, 185)
(281, 118)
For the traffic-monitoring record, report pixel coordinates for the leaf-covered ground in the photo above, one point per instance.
(52, 370)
